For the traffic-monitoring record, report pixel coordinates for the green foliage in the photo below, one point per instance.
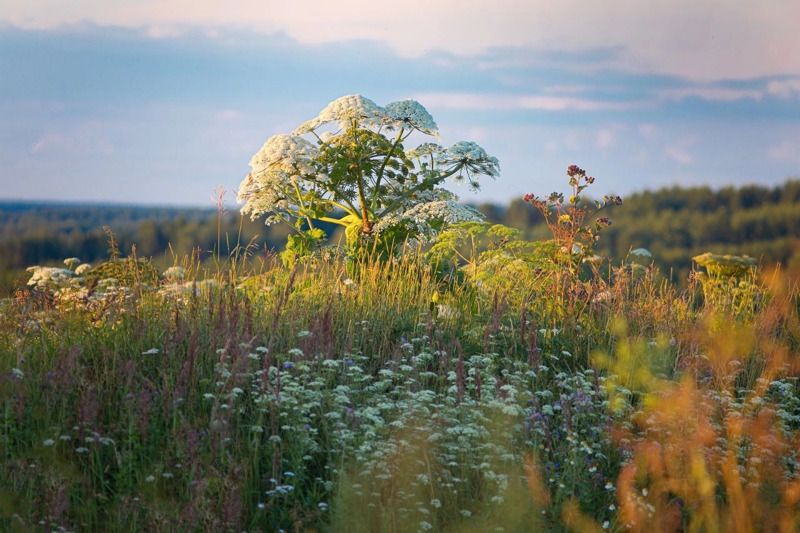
(302, 245)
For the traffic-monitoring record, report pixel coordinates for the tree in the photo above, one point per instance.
(348, 166)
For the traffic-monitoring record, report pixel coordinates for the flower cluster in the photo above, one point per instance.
(360, 169)
(424, 218)
(49, 277)
(345, 110)
(411, 114)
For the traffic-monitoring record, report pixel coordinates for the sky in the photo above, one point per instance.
(164, 102)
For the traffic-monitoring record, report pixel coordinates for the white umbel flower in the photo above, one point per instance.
(288, 153)
(44, 277)
(472, 158)
(175, 273)
(344, 110)
(426, 150)
(422, 217)
(412, 114)
(275, 170)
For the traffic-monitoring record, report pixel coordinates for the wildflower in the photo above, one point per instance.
(151, 351)
(175, 273)
(345, 110)
(411, 114)
(641, 252)
(16, 373)
(49, 277)
(150, 479)
(83, 269)
(575, 170)
(48, 442)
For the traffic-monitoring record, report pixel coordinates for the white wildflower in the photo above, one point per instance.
(468, 158)
(412, 114)
(175, 273)
(287, 153)
(83, 269)
(421, 218)
(345, 110)
(16, 373)
(72, 262)
(425, 151)
(151, 351)
(48, 442)
(48, 277)
(275, 171)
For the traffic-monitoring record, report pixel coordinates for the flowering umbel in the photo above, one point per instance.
(349, 166)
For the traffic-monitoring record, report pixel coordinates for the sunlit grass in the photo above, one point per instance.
(385, 396)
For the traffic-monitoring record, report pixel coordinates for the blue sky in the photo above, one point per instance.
(162, 102)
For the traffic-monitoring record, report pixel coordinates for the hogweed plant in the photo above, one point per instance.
(349, 166)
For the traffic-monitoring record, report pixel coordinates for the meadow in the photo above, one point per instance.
(431, 371)
(503, 392)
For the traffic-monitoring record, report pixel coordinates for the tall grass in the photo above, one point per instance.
(382, 397)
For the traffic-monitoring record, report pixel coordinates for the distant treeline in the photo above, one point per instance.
(673, 223)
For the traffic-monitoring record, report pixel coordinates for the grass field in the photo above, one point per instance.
(505, 394)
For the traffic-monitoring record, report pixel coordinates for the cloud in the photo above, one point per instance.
(605, 138)
(49, 142)
(518, 102)
(789, 88)
(679, 151)
(707, 40)
(714, 94)
(788, 150)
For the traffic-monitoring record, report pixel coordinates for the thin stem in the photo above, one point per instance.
(302, 205)
(332, 221)
(385, 161)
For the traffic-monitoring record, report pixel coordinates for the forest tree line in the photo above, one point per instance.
(673, 223)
